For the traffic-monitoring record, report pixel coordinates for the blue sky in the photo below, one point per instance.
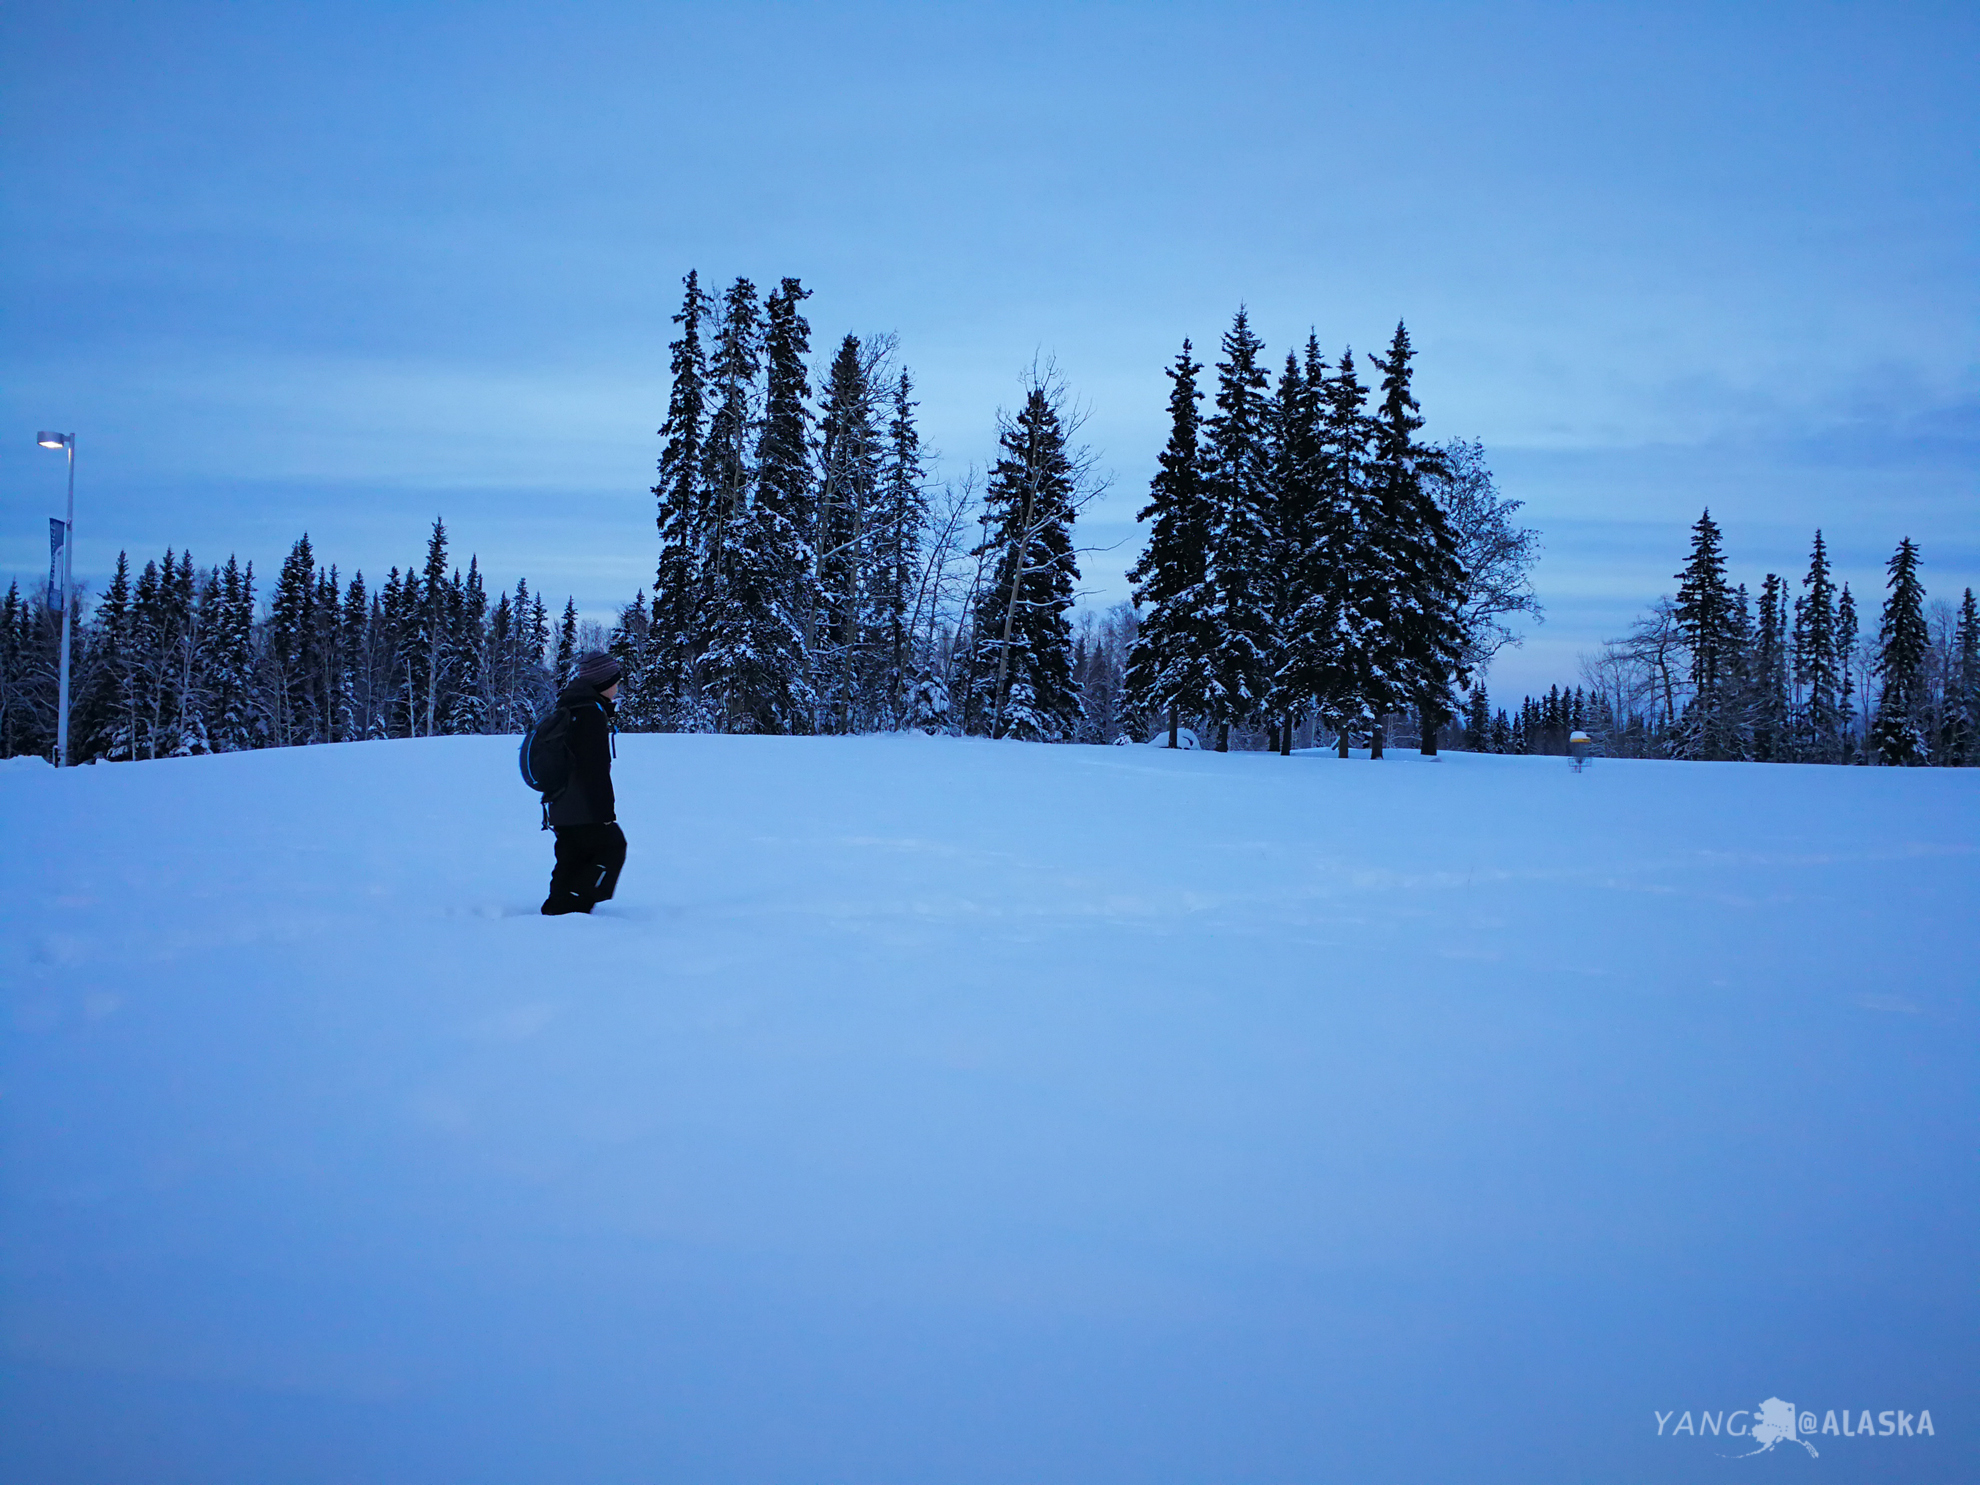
(343, 268)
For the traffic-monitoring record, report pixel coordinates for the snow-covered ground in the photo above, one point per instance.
(932, 1111)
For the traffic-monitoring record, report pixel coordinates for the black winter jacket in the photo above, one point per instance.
(588, 798)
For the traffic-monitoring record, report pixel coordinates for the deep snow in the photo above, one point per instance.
(932, 1111)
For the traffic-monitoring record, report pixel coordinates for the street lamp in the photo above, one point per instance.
(64, 441)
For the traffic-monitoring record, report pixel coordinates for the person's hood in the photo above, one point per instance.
(580, 692)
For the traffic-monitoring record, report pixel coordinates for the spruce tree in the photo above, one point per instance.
(1309, 542)
(467, 710)
(756, 664)
(902, 515)
(1816, 665)
(325, 660)
(1166, 668)
(1358, 592)
(567, 643)
(1897, 736)
(1238, 579)
(1705, 610)
(360, 682)
(145, 661)
(726, 474)
(232, 728)
(1478, 720)
(1963, 745)
(628, 643)
(536, 642)
(849, 477)
(1424, 649)
(1772, 742)
(16, 707)
(291, 623)
(434, 624)
(682, 518)
(1293, 473)
(1743, 687)
(173, 652)
(198, 720)
(1846, 658)
(1021, 668)
(385, 623)
(102, 726)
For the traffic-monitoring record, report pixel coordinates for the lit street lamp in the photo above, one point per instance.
(64, 441)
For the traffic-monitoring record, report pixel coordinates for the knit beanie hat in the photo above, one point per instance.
(598, 669)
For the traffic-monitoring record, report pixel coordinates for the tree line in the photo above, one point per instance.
(1795, 677)
(178, 662)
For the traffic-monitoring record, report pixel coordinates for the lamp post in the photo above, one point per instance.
(64, 441)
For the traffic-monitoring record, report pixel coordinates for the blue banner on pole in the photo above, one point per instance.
(58, 532)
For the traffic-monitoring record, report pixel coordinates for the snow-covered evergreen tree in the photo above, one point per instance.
(467, 710)
(1238, 596)
(1817, 670)
(1351, 606)
(901, 517)
(1706, 609)
(567, 643)
(435, 628)
(849, 457)
(1478, 720)
(720, 644)
(630, 643)
(1425, 647)
(1294, 474)
(1772, 737)
(1963, 709)
(290, 629)
(1167, 670)
(1849, 658)
(230, 668)
(773, 599)
(682, 515)
(1021, 664)
(1897, 736)
(104, 725)
(20, 729)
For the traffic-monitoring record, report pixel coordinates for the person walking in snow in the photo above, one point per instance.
(590, 846)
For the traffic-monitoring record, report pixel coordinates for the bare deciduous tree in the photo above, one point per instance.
(1498, 554)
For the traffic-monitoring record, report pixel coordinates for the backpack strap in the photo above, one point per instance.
(611, 728)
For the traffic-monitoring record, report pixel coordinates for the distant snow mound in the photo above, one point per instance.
(25, 763)
(1184, 739)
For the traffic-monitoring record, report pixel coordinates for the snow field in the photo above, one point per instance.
(935, 1110)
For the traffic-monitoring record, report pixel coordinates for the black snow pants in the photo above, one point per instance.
(588, 861)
